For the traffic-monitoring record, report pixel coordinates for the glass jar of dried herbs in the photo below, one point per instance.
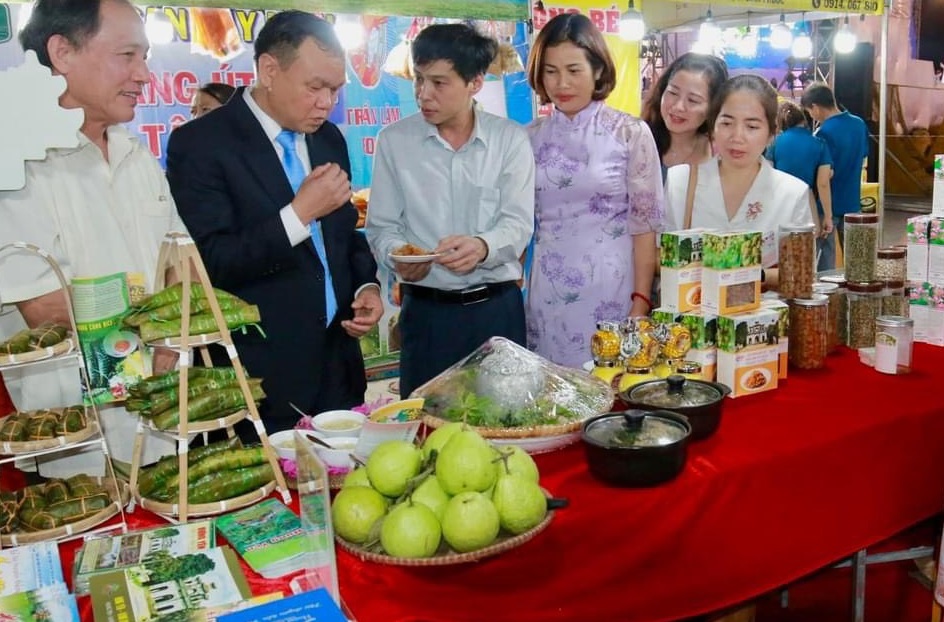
(840, 303)
(894, 301)
(864, 303)
(836, 304)
(808, 318)
(890, 264)
(797, 260)
(860, 247)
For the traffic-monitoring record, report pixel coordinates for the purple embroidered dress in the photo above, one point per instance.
(597, 183)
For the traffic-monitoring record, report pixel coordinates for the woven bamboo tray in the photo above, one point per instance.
(207, 509)
(195, 340)
(208, 425)
(557, 429)
(63, 347)
(446, 556)
(12, 448)
(119, 498)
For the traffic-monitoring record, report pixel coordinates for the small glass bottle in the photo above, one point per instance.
(894, 341)
(808, 319)
(797, 260)
(860, 247)
(894, 301)
(890, 264)
(864, 302)
(836, 303)
(842, 319)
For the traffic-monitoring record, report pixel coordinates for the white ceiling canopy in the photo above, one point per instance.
(684, 16)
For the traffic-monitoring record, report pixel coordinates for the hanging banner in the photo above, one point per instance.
(868, 7)
(605, 16)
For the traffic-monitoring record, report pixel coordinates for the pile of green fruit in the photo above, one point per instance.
(457, 489)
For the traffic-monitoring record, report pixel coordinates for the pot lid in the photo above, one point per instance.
(635, 428)
(675, 391)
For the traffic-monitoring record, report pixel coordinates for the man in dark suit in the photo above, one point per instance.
(262, 184)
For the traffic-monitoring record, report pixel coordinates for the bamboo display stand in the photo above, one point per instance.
(92, 436)
(179, 251)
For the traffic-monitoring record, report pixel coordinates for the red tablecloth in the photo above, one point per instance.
(831, 462)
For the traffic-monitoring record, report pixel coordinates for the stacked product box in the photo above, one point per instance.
(730, 279)
(783, 332)
(704, 329)
(925, 273)
(680, 261)
(749, 351)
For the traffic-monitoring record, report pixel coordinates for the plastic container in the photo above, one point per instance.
(860, 248)
(864, 303)
(894, 342)
(894, 301)
(808, 321)
(891, 264)
(837, 301)
(797, 260)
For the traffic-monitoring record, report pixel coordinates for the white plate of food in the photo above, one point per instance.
(410, 253)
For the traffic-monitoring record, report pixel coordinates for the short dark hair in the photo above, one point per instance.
(754, 83)
(76, 20)
(577, 29)
(819, 94)
(711, 67)
(469, 52)
(790, 115)
(284, 33)
(217, 90)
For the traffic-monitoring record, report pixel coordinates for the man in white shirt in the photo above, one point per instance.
(100, 208)
(459, 182)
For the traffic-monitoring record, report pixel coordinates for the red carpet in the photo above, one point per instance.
(891, 595)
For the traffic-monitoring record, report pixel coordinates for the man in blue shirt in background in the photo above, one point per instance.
(847, 137)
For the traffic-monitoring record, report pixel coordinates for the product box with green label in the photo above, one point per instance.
(916, 237)
(783, 332)
(703, 328)
(749, 351)
(730, 279)
(680, 261)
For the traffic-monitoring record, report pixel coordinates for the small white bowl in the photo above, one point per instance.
(340, 456)
(334, 423)
(283, 443)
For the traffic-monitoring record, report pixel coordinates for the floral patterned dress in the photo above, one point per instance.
(597, 184)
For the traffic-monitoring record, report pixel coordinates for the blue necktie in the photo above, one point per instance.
(295, 172)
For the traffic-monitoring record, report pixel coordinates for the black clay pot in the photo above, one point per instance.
(636, 448)
(699, 400)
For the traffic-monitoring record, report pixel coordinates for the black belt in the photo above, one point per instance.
(469, 296)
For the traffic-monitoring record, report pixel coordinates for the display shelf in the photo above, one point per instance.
(91, 436)
(179, 252)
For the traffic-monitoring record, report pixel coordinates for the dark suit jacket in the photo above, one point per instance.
(229, 185)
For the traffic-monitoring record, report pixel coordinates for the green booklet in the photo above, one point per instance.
(169, 589)
(268, 535)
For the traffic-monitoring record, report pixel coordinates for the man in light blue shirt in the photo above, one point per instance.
(458, 182)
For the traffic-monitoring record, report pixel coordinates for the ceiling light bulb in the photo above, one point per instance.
(802, 44)
(631, 24)
(158, 28)
(350, 32)
(844, 41)
(780, 36)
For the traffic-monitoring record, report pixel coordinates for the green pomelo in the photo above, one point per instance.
(466, 463)
(410, 530)
(439, 437)
(354, 512)
(470, 522)
(391, 465)
(357, 477)
(520, 503)
(516, 461)
(431, 494)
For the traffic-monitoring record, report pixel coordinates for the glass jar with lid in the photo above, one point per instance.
(860, 247)
(605, 344)
(894, 301)
(894, 341)
(835, 305)
(890, 264)
(842, 319)
(808, 339)
(797, 260)
(864, 303)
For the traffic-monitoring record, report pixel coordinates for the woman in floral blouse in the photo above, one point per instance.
(599, 198)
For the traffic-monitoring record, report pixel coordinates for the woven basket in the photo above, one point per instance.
(446, 556)
(119, 498)
(63, 347)
(12, 448)
(556, 429)
(206, 509)
(208, 425)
